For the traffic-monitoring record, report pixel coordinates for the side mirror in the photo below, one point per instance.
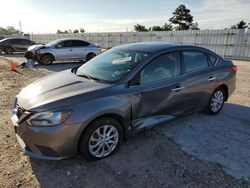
(134, 82)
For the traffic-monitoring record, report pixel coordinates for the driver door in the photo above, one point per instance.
(159, 95)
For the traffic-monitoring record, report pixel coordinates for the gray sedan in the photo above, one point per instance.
(92, 109)
(68, 49)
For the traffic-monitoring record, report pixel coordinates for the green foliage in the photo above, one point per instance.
(140, 28)
(167, 27)
(182, 19)
(9, 30)
(240, 25)
(194, 26)
(82, 30)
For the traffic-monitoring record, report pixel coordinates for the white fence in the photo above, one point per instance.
(234, 44)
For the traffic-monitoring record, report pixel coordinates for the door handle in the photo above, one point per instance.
(211, 78)
(177, 89)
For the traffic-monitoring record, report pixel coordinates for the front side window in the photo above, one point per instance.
(161, 68)
(194, 60)
(67, 44)
(112, 65)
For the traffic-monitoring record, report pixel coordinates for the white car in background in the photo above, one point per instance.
(68, 49)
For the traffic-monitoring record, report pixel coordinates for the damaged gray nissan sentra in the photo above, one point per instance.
(91, 109)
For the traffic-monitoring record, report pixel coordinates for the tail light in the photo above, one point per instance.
(234, 68)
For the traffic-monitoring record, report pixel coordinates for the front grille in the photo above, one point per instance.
(19, 111)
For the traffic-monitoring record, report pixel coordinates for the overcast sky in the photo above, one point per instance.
(46, 16)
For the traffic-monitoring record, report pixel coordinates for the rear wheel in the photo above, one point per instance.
(8, 50)
(216, 101)
(101, 139)
(90, 56)
(47, 59)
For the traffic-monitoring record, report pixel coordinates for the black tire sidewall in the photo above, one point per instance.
(90, 56)
(209, 107)
(84, 141)
(48, 56)
(6, 50)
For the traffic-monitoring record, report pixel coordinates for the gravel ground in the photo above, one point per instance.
(155, 158)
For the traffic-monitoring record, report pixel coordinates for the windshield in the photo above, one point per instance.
(112, 65)
(53, 42)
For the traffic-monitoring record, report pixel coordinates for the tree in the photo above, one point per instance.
(156, 28)
(59, 31)
(82, 30)
(240, 25)
(167, 27)
(9, 31)
(76, 31)
(140, 28)
(194, 26)
(182, 18)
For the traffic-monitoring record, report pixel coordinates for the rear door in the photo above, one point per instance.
(200, 78)
(80, 49)
(158, 95)
(25, 44)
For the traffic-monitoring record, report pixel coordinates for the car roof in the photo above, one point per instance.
(152, 47)
(65, 39)
(10, 38)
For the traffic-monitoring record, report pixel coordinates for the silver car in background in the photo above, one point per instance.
(68, 49)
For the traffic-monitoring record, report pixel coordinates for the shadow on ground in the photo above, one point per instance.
(154, 160)
(223, 139)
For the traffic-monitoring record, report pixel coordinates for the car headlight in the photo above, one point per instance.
(47, 118)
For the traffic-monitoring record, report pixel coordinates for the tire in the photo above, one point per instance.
(47, 59)
(8, 50)
(94, 146)
(90, 56)
(216, 101)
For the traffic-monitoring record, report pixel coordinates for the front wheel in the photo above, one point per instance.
(216, 101)
(101, 139)
(9, 50)
(47, 59)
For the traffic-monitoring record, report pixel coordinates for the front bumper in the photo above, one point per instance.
(32, 55)
(51, 143)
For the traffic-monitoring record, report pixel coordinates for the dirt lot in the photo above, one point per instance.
(196, 151)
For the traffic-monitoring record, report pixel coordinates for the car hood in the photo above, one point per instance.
(36, 47)
(57, 90)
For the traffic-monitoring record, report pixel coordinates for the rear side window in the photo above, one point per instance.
(212, 60)
(194, 60)
(79, 43)
(24, 41)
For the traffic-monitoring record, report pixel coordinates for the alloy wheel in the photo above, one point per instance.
(217, 101)
(103, 141)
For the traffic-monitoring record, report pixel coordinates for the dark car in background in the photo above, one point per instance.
(11, 45)
(91, 109)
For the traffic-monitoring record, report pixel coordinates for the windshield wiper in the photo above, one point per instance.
(89, 77)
